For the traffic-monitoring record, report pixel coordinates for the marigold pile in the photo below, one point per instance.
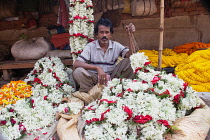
(169, 57)
(14, 91)
(189, 48)
(196, 70)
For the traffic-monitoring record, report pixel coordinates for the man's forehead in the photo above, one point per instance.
(102, 27)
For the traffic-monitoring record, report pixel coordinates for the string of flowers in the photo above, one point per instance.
(143, 108)
(14, 91)
(196, 70)
(50, 82)
(169, 57)
(80, 25)
(189, 48)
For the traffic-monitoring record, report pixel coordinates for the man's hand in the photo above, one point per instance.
(102, 76)
(130, 28)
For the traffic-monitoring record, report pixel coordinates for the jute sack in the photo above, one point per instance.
(67, 127)
(192, 127)
(93, 94)
(27, 49)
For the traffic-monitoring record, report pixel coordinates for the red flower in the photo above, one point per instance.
(70, 22)
(66, 110)
(102, 114)
(185, 85)
(155, 80)
(109, 102)
(147, 63)
(128, 111)
(11, 110)
(176, 98)
(120, 94)
(144, 82)
(134, 81)
(182, 94)
(142, 119)
(45, 97)
(164, 122)
(137, 69)
(130, 90)
(12, 121)
(3, 122)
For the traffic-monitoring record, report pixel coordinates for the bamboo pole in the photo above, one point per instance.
(161, 34)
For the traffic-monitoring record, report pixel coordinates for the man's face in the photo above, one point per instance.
(104, 34)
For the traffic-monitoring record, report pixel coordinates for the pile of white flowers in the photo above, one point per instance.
(50, 79)
(50, 82)
(80, 25)
(143, 108)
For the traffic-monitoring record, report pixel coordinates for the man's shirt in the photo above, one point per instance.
(94, 54)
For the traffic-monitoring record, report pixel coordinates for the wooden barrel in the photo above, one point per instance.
(182, 4)
(7, 8)
(143, 7)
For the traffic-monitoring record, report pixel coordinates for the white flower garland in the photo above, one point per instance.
(50, 81)
(80, 25)
(144, 108)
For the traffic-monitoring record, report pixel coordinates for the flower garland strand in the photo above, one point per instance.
(169, 58)
(80, 25)
(195, 70)
(143, 108)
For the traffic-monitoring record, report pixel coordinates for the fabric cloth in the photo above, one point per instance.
(94, 54)
(60, 40)
(86, 79)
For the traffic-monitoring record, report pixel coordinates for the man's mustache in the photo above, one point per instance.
(104, 37)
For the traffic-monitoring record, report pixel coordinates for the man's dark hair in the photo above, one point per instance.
(105, 22)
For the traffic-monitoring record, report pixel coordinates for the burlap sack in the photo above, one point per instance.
(92, 95)
(192, 127)
(67, 127)
(27, 49)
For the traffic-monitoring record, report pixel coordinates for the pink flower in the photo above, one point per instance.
(142, 119)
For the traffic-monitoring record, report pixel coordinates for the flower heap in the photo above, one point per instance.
(50, 82)
(70, 108)
(80, 25)
(169, 58)
(50, 79)
(14, 91)
(143, 108)
(195, 70)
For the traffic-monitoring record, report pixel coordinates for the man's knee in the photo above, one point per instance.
(78, 71)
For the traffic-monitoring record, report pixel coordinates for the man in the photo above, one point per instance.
(97, 62)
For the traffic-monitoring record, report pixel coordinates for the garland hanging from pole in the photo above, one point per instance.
(81, 25)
